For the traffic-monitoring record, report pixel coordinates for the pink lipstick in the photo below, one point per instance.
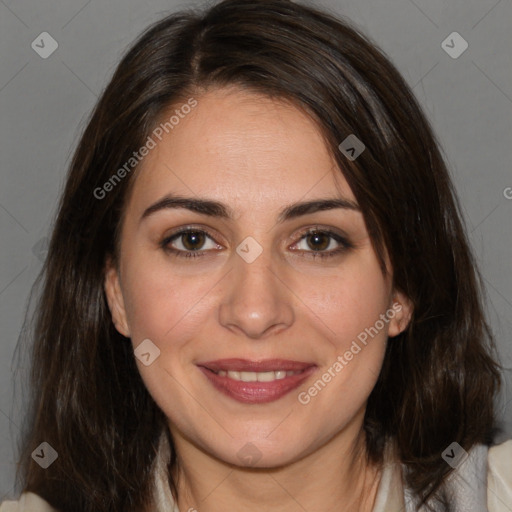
(256, 382)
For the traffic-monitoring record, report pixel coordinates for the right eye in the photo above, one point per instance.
(191, 241)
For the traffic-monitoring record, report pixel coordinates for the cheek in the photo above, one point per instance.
(160, 306)
(351, 300)
(348, 309)
(168, 307)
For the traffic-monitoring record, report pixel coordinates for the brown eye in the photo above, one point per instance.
(323, 243)
(193, 240)
(318, 241)
(189, 243)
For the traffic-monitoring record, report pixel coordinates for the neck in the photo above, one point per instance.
(334, 474)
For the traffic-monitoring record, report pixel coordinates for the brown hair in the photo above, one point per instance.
(438, 379)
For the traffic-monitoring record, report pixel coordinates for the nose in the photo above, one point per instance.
(256, 300)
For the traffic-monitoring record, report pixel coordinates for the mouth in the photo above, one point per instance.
(256, 381)
(257, 376)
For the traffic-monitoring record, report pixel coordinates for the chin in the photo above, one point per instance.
(260, 453)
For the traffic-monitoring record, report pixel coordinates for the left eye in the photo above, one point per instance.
(323, 243)
(318, 241)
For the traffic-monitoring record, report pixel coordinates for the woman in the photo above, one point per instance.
(259, 293)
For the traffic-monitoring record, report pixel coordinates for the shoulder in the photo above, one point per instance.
(499, 477)
(28, 502)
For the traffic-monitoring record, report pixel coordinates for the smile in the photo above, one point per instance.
(257, 376)
(256, 382)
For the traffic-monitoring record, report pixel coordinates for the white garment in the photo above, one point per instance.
(486, 473)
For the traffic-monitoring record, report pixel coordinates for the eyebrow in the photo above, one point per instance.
(220, 210)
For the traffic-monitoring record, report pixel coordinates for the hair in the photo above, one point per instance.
(439, 377)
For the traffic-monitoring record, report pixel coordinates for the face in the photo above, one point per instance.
(291, 301)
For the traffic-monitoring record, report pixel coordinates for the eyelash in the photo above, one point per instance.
(344, 243)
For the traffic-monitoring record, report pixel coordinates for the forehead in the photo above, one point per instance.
(258, 151)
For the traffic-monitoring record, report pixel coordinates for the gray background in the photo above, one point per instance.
(44, 103)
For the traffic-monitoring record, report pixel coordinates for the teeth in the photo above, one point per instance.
(266, 376)
(257, 376)
(246, 376)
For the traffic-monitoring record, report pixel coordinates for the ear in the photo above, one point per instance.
(402, 307)
(115, 298)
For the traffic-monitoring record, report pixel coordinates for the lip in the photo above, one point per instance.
(245, 365)
(256, 392)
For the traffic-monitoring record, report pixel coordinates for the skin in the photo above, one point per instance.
(257, 156)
